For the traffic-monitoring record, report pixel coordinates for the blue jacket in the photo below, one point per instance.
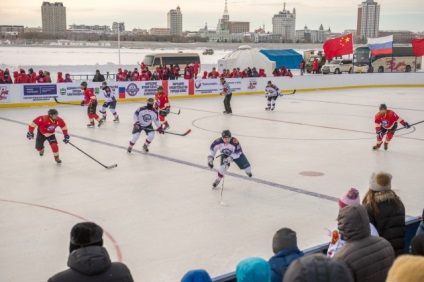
(281, 261)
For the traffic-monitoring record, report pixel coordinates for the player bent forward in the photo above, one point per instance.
(46, 128)
(271, 94)
(386, 122)
(90, 100)
(110, 102)
(143, 119)
(230, 150)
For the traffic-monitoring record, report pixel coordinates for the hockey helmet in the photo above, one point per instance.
(269, 82)
(383, 107)
(160, 87)
(104, 83)
(150, 101)
(226, 133)
(52, 112)
(84, 84)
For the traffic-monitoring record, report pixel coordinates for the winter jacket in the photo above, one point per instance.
(390, 223)
(91, 264)
(281, 261)
(6, 79)
(68, 78)
(369, 258)
(98, 78)
(15, 77)
(60, 78)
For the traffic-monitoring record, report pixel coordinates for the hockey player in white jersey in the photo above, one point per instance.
(143, 119)
(230, 150)
(110, 102)
(271, 94)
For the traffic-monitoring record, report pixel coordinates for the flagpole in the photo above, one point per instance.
(415, 63)
(391, 63)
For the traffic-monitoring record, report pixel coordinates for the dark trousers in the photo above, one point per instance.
(40, 139)
(227, 104)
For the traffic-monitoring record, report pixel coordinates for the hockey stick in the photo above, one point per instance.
(173, 133)
(222, 203)
(65, 103)
(107, 167)
(281, 94)
(179, 111)
(410, 125)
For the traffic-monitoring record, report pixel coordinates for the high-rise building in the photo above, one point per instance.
(53, 16)
(284, 23)
(175, 21)
(116, 25)
(368, 19)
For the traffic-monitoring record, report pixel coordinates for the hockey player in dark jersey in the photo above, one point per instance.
(143, 119)
(230, 150)
(271, 94)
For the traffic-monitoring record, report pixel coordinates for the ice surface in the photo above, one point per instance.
(159, 209)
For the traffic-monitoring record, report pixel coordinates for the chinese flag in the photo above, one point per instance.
(418, 46)
(338, 46)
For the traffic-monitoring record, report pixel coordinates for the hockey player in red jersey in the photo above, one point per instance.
(386, 122)
(230, 150)
(163, 106)
(46, 128)
(90, 100)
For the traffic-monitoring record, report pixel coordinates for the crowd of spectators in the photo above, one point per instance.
(367, 245)
(30, 77)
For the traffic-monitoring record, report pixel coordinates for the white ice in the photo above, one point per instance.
(159, 207)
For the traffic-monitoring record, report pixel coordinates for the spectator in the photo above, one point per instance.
(171, 72)
(144, 75)
(41, 78)
(315, 66)
(417, 245)
(89, 260)
(187, 72)
(302, 67)
(407, 269)
(135, 74)
(15, 77)
(284, 246)
(261, 73)
(213, 73)
(6, 79)
(248, 72)
(33, 75)
(60, 78)
(351, 197)
(276, 72)
(47, 76)
(1, 73)
(24, 78)
(68, 78)
(176, 71)
(283, 71)
(367, 257)
(386, 211)
(317, 268)
(420, 228)
(253, 270)
(289, 73)
(120, 75)
(198, 275)
(254, 72)
(155, 75)
(205, 75)
(98, 77)
(165, 73)
(196, 69)
(142, 66)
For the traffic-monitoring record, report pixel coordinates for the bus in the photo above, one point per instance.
(402, 60)
(155, 60)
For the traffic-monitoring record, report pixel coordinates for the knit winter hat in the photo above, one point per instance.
(407, 268)
(381, 181)
(198, 275)
(417, 245)
(253, 270)
(85, 234)
(351, 197)
(283, 239)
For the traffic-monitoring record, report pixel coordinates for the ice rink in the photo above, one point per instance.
(161, 216)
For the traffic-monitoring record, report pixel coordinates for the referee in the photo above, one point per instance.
(226, 90)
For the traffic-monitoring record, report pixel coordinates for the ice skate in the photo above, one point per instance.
(101, 121)
(249, 174)
(386, 146)
(376, 147)
(91, 124)
(104, 118)
(59, 161)
(145, 148)
(41, 153)
(225, 112)
(116, 118)
(166, 126)
(267, 108)
(272, 108)
(129, 149)
(216, 182)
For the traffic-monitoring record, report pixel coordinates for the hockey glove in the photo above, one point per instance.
(407, 125)
(66, 139)
(210, 161)
(30, 135)
(160, 130)
(380, 134)
(137, 126)
(82, 103)
(228, 160)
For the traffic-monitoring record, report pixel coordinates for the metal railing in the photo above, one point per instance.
(411, 228)
(89, 77)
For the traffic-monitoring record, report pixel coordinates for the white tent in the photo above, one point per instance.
(245, 57)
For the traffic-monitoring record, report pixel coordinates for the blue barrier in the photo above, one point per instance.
(411, 228)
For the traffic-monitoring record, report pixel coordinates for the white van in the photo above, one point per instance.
(154, 60)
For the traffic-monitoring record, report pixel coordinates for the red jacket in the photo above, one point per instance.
(261, 73)
(315, 65)
(205, 75)
(89, 97)
(60, 78)
(196, 68)
(47, 126)
(213, 74)
(388, 120)
(24, 78)
(15, 77)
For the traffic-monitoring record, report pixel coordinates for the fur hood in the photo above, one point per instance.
(385, 196)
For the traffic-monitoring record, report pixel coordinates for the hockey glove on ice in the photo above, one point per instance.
(210, 161)
(66, 140)
(137, 126)
(30, 135)
(407, 125)
(228, 160)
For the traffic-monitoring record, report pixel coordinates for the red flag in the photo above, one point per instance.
(418, 46)
(338, 46)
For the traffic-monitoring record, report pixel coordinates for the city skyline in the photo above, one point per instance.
(339, 15)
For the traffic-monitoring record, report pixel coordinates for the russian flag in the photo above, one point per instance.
(381, 45)
(121, 92)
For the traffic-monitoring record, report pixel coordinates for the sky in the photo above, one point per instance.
(337, 14)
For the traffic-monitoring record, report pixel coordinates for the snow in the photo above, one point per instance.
(159, 208)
